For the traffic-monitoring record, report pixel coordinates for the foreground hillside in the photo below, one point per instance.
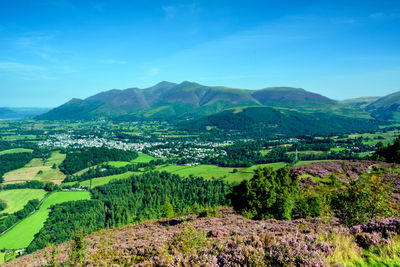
(225, 239)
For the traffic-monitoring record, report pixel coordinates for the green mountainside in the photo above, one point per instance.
(188, 100)
(359, 102)
(386, 108)
(266, 121)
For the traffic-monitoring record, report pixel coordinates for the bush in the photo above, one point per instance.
(364, 199)
(269, 194)
(3, 205)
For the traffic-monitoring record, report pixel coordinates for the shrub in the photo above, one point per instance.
(3, 205)
(364, 199)
(269, 194)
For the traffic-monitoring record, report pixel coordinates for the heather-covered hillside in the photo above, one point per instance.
(223, 238)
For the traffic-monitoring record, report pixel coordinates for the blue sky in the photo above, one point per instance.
(54, 50)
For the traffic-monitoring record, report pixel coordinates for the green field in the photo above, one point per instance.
(16, 199)
(15, 150)
(23, 233)
(143, 158)
(227, 173)
(19, 137)
(210, 171)
(206, 171)
(60, 197)
(118, 164)
(2, 257)
(376, 137)
(105, 180)
(31, 170)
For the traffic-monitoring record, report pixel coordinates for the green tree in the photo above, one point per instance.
(269, 194)
(363, 199)
(167, 210)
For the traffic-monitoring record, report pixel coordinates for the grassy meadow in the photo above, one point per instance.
(37, 169)
(104, 180)
(23, 233)
(16, 199)
(15, 150)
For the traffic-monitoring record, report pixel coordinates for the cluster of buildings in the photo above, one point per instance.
(193, 151)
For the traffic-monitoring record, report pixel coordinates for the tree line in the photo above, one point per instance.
(87, 157)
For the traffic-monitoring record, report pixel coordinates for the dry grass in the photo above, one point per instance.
(31, 171)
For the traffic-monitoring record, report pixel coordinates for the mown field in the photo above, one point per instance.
(142, 158)
(37, 169)
(23, 233)
(15, 150)
(229, 174)
(104, 180)
(16, 199)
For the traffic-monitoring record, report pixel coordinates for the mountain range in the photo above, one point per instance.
(188, 100)
(21, 113)
(196, 107)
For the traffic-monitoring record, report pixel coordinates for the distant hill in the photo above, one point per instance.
(386, 108)
(359, 102)
(5, 111)
(168, 100)
(20, 113)
(267, 121)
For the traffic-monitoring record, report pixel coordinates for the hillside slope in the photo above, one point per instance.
(274, 121)
(168, 100)
(386, 108)
(359, 102)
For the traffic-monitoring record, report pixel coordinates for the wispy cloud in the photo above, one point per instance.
(154, 71)
(172, 11)
(62, 3)
(169, 11)
(98, 6)
(38, 44)
(25, 71)
(378, 15)
(112, 61)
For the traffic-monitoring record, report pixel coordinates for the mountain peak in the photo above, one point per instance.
(165, 83)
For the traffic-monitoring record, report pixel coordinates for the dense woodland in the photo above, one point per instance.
(79, 160)
(68, 218)
(261, 122)
(390, 153)
(130, 200)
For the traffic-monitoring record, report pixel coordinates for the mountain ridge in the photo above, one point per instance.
(167, 100)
